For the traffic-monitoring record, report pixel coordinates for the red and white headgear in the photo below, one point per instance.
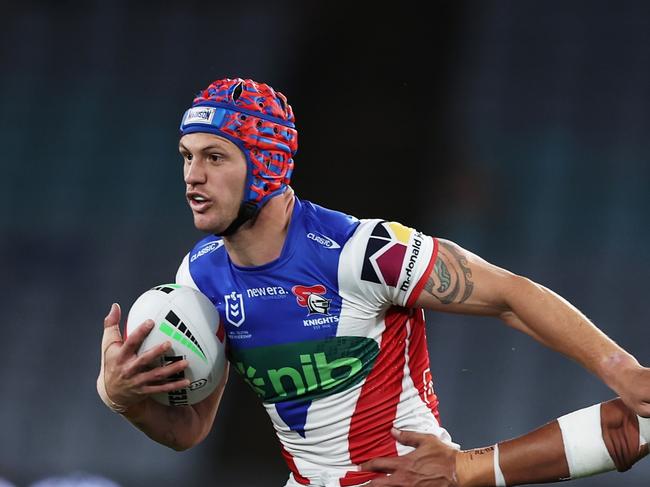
(260, 122)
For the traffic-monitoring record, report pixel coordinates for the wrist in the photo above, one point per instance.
(106, 399)
(475, 468)
(135, 411)
(463, 472)
(616, 368)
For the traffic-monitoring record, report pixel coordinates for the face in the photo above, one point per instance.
(214, 170)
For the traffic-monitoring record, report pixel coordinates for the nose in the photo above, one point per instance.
(194, 173)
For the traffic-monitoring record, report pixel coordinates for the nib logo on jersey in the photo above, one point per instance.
(313, 298)
(292, 375)
(386, 255)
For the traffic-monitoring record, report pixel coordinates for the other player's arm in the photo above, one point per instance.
(593, 440)
(126, 381)
(461, 282)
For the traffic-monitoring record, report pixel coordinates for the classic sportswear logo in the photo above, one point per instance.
(307, 369)
(200, 115)
(235, 308)
(206, 249)
(326, 242)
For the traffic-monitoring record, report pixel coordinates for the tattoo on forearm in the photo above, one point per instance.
(480, 451)
(451, 276)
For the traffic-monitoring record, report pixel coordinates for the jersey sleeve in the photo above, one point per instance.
(183, 275)
(387, 262)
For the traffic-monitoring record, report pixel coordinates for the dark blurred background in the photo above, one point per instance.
(518, 129)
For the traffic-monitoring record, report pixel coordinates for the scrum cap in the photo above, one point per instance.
(260, 122)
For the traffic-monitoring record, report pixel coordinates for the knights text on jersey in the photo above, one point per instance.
(326, 337)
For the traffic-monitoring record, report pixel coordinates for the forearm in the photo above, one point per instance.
(537, 457)
(590, 441)
(170, 426)
(461, 282)
(177, 427)
(556, 323)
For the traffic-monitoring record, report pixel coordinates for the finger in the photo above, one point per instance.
(385, 481)
(135, 338)
(167, 387)
(379, 482)
(410, 438)
(112, 327)
(386, 465)
(159, 375)
(113, 316)
(152, 356)
(150, 360)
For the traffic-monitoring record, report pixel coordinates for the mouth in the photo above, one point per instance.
(198, 202)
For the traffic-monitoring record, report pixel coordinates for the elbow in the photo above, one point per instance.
(180, 446)
(517, 290)
(620, 432)
(521, 285)
(183, 443)
(189, 442)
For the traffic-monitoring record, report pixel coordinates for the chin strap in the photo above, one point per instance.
(247, 211)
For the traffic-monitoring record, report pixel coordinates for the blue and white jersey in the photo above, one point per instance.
(327, 338)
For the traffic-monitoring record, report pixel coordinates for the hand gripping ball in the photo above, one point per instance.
(188, 319)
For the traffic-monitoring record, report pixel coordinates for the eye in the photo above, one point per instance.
(215, 157)
(187, 157)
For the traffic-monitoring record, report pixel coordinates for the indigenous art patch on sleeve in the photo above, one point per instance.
(391, 255)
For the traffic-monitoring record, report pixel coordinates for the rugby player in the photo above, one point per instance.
(323, 315)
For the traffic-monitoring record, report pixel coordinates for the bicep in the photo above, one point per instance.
(462, 282)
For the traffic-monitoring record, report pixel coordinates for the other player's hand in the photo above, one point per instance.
(634, 389)
(129, 378)
(431, 464)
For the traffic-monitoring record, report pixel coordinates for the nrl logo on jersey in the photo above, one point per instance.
(235, 308)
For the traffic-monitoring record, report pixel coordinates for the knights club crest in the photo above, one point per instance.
(235, 308)
(312, 298)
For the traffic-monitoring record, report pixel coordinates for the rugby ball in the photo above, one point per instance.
(188, 319)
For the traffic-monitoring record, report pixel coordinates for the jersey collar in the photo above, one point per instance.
(295, 225)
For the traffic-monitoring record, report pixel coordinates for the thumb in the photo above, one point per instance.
(112, 332)
(409, 438)
(113, 316)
